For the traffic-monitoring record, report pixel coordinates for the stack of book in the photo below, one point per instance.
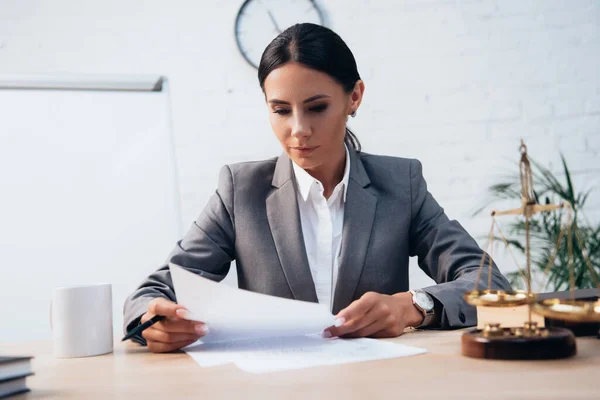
(13, 373)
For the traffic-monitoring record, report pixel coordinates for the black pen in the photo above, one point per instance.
(140, 328)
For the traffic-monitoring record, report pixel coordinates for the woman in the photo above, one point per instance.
(324, 222)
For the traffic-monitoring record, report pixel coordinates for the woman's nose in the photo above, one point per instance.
(300, 127)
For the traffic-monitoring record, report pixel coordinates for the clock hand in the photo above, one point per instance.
(273, 21)
(271, 17)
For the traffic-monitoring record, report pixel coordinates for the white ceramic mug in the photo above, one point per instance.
(81, 321)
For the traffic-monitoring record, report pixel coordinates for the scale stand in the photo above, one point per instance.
(528, 342)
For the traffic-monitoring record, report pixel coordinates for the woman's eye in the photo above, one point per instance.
(319, 108)
(281, 111)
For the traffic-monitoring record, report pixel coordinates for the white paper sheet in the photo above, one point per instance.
(261, 333)
(233, 314)
(295, 352)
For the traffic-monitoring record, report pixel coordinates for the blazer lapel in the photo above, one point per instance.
(284, 221)
(359, 214)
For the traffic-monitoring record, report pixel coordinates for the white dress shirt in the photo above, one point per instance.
(322, 223)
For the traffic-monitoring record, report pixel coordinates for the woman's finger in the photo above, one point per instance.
(353, 315)
(371, 329)
(379, 313)
(156, 335)
(160, 347)
(379, 310)
(181, 326)
(359, 307)
(162, 306)
(391, 331)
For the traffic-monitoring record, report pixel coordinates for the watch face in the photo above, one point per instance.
(424, 301)
(259, 21)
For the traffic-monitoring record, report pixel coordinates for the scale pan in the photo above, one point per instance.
(569, 310)
(499, 298)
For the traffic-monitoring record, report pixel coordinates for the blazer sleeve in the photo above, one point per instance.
(447, 254)
(207, 249)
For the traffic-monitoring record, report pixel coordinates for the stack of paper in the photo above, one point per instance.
(261, 333)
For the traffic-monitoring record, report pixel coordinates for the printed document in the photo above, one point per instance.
(261, 333)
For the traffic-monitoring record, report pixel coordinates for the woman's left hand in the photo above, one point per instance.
(376, 315)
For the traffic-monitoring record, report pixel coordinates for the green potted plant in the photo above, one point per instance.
(549, 257)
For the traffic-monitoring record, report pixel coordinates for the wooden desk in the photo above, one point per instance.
(133, 373)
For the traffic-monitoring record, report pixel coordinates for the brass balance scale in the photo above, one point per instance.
(529, 341)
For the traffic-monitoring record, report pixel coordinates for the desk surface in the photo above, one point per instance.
(132, 372)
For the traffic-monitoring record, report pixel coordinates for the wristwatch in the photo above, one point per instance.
(424, 303)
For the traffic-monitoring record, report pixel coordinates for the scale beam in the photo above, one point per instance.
(531, 209)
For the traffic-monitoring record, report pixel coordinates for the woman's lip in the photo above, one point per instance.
(304, 150)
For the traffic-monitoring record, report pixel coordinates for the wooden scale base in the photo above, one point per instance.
(527, 343)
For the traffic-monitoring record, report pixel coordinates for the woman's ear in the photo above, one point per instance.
(356, 96)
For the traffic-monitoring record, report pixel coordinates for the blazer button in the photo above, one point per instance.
(462, 317)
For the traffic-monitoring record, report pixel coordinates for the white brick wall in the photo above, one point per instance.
(453, 83)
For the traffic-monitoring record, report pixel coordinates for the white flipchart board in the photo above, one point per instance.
(88, 194)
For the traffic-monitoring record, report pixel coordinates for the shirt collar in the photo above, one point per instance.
(305, 181)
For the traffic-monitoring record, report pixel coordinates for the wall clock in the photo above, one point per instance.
(259, 21)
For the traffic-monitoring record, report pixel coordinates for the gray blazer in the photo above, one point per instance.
(253, 218)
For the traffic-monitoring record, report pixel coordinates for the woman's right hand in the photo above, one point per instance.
(173, 332)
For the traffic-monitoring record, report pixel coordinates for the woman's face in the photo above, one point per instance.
(308, 113)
